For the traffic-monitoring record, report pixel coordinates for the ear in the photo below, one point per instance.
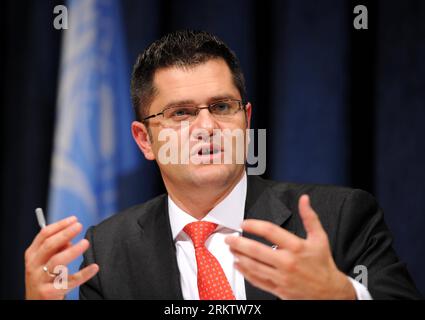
(142, 138)
(248, 112)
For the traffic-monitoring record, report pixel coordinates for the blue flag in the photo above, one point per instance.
(95, 159)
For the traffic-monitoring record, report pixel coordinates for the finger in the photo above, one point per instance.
(284, 259)
(82, 276)
(57, 241)
(253, 249)
(66, 246)
(66, 256)
(310, 219)
(50, 230)
(273, 233)
(264, 284)
(255, 267)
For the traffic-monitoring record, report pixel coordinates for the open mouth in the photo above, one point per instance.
(208, 150)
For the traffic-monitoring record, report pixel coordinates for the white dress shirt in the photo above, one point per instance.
(228, 215)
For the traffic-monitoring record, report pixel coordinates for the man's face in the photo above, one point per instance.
(200, 85)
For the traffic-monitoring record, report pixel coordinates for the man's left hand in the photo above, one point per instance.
(298, 268)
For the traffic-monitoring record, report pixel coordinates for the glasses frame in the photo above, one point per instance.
(242, 106)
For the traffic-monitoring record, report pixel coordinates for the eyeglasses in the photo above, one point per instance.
(221, 110)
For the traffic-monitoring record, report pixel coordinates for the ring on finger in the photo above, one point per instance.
(51, 274)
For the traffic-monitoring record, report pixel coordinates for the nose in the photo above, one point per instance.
(204, 122)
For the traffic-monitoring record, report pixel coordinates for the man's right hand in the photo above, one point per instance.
(52, 247)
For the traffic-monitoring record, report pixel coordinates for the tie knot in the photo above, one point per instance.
(199, 231)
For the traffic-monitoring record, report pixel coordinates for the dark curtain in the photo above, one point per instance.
(340, 105)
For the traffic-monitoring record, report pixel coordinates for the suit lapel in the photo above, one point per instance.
(160, 272)
(261, 203)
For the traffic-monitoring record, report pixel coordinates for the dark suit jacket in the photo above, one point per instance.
(137, 258)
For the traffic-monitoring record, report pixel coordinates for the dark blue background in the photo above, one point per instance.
(341, 106)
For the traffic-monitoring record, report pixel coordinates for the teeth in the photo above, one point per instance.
(204, 151)
(208, 151)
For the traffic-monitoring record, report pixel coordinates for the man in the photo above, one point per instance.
(218, 233)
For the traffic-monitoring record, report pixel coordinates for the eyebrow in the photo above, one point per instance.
(210, 100)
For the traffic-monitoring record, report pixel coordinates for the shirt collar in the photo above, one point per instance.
(229, 213)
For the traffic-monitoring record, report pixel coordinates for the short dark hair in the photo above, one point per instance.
(184, 48)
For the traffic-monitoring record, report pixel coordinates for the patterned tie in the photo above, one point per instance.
(212, 282)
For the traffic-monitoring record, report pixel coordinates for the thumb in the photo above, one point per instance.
(309, 217)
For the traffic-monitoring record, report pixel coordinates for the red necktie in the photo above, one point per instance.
(212, 282)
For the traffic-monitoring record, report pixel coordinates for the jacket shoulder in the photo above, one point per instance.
(126, 221)
(292, 191)
(329, 201)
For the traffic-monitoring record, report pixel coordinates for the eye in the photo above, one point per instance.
(221, 107)
(181, 112)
